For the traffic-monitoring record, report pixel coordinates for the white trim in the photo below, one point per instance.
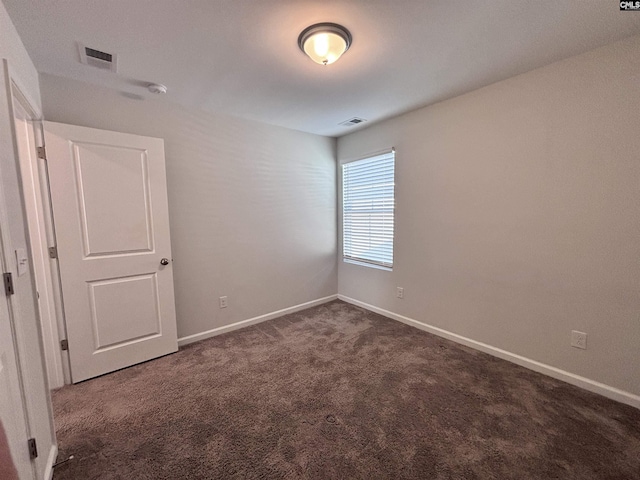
(582, 382)
(15, 91)
(36, 198)
(252, 321)
(48, 471)
(366, 264)
(386, 151)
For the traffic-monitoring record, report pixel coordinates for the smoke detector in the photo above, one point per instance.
(157, 88)
(98, 58)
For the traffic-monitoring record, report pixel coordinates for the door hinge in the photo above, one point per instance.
(8, 284)
(64, 344)
(53, 252)
(42, 152)
(33, 448)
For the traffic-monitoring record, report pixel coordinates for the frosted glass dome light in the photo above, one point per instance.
(324, 43)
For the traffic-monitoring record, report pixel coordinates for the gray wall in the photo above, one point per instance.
(252, 207)
(518, 215)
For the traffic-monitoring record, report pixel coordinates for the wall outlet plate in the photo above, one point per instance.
(578, 339)
(399, 292)
(223, 302)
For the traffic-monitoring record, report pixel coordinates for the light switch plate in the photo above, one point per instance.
(22, 261)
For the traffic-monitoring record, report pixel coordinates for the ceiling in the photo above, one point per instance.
(240, 57)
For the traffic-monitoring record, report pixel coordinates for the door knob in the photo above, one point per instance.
(164, 261)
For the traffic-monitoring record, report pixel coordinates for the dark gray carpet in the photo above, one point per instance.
(336, 392)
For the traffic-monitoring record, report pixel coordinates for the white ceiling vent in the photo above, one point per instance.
(352, 121)
(97, 58)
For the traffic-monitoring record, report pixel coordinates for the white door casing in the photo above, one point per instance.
(12, 413)
(109, 199)
(22, 303)
(42, 264)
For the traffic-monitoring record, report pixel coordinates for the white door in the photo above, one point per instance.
(109, 198)
(12, 414)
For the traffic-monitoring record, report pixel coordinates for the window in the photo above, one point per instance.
(368, 187)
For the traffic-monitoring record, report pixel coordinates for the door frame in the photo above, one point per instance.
(16, 389)
(42, 236)
(24, 342)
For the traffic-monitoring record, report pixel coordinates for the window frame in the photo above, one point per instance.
(363, 261)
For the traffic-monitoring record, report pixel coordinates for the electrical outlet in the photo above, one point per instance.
(578, 339)
(223, 302)
(399, 292)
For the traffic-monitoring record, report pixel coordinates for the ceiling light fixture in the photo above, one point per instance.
(324, 43)
(157, 88)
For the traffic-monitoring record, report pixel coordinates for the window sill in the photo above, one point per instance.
(365, 264)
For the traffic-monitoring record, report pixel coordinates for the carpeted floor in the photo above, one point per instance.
(336, 392)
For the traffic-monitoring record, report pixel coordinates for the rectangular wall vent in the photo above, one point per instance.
(352, 121)
(107, 57)
(97, 58)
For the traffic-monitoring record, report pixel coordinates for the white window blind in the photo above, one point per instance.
(368, 188)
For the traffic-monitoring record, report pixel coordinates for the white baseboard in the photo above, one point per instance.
(583, 382)
(51, 460)
(252, 321)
